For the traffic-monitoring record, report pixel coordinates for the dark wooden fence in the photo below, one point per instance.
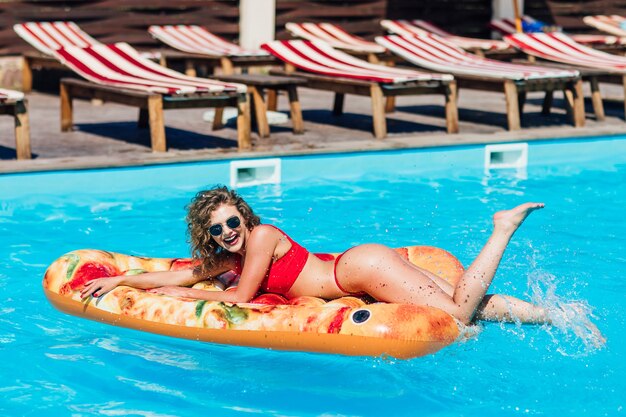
(569, 14)
(128, 20)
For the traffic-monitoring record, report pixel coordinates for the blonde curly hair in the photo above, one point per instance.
(204, 248)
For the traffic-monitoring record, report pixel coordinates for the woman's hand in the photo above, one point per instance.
(100, 286)
(175, 291)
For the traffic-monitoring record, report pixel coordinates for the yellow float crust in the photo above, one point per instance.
(346, 326)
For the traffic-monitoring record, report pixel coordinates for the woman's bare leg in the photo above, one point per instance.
(504, 308)
(496, 307)
(472, 287)
(383, 274)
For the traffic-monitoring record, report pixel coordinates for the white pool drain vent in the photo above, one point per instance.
(250, 172)
(506, 156)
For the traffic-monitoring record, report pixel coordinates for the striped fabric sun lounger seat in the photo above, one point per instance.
(14, 104)
(562, 48)
(471, 71)
(326, 68)
(558, 47)
(200, 45)
(335, 36)
(607, 23)
(118, 73)
(421, 27)
(46, 37)
(506, 26)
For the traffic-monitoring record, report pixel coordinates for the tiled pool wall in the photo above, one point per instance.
(432, 161)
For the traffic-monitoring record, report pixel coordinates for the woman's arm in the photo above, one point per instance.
(184, 277)
(259, 252)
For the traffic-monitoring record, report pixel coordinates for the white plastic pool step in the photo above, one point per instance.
(249, 172)
(506, 156)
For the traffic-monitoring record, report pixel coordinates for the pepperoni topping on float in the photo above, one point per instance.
(184, 263)
(88, 272)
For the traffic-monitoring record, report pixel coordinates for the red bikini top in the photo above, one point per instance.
(283, 272)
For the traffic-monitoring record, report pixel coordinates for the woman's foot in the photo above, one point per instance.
(510, 220)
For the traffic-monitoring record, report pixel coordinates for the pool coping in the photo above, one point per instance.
(138, 159)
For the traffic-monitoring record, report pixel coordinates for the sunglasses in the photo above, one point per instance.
(232, 223)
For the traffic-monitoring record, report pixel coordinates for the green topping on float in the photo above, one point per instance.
(135, 272)
(199, 307)
(72, 260)
(234, 314)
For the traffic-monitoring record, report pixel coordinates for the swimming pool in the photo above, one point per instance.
(53, 364)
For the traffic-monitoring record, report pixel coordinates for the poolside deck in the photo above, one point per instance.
(107, 135)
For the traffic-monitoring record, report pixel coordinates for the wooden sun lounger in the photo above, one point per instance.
(506, 26)
(46, 37)
(339, 38)
(151, 108)
(422, 27)
(378, 92)
(607, 23)
(436, 53)
(595, 66)
(326, 68)
(196, 46)
(119, 74)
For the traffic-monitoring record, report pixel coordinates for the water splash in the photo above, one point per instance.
(572, 330)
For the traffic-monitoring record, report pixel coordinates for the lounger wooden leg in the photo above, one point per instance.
(596, 99)
(260, 112)
(390, 104)
(296, 110)
(338, 104)
(227, 66)
(22, 130)
(569, 103)
(218, 118)
(521, 100)
(624, 87)
(243, 123)
(579, 104)
(144, 120)
(452, 110)
(272, 99)
(67, 114)
(378, 112)
(27, 76)
(157, 124)
(373, 58)
(512, 109)
(546, 108)
(190, 68)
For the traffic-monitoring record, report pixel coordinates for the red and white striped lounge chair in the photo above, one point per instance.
(14, 104)
(607, 23)
(119, 73)
(46, 37)
(506, 26)
(421, 27)
(326, 68)
(335, 36)
(558, 47)
(199, 42)
(436, 53)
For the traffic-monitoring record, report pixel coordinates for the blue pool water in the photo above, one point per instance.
(572, 251)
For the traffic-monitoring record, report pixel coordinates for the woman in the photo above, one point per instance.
(226, 235)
